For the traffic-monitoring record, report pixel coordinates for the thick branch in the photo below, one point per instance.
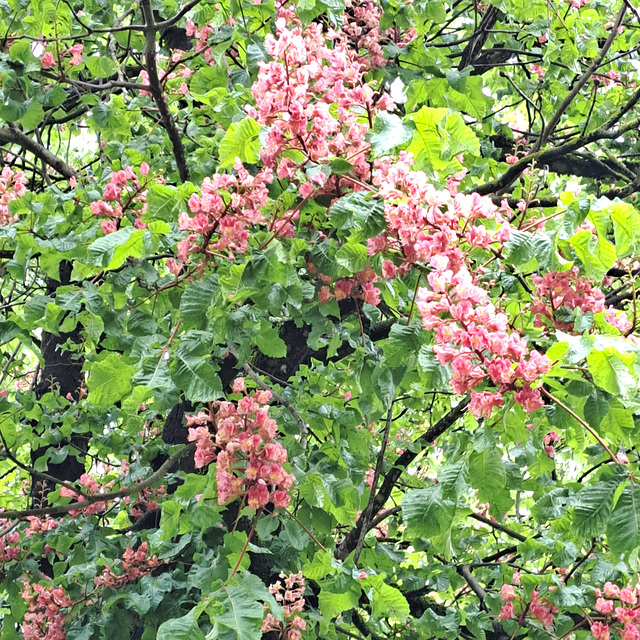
(157, 93)
(12, 135)
(447, 421)
(606, 131)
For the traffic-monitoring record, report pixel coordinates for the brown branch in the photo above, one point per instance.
(465, 572)
(105, 497)
(367, 514)
(553, 123)
(403, 461)
(157, 93)
(605, 132)
(498, 526)
(13, 135)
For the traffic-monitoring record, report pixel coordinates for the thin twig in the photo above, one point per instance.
(573, 414)
(368, 511)
(106, 497)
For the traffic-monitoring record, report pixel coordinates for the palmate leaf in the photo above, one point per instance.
(426, 513)
(487, 473)
(196, 300)
(613, 371)
(194, 375)
(109, 380)
(387, 601)
(388, 133)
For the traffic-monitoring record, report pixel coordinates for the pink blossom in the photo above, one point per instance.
(108, 226)
(604, 606)
(506, 611)
(600, 631)
(47, 61)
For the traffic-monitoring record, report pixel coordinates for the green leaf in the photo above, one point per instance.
(613, 371)
(270, 343)
(487, 473)
(241, 142)
(196, 301)
(334, 598)
(340, 166)
(185, 628)
(163, 202)
(193, 372)
(439, 138)
(353, 257)
(112, 250)
(109, 380)
(623, 527)
(522, 246)
(387, 601)
(101, 66)
(358, 211)
(236, 611)
(592, 509)
(426, 513)
(388, 133)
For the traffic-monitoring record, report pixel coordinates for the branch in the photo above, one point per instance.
(498, 526)
(542, 157)
(277, 397)
(105, 497)
(574, 415)
(365, 518)
(465, 572)
(553, 123)
(403, 461)
(13, 135)
(157, 93)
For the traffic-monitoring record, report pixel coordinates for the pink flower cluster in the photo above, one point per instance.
(312, 97)
(229, 204)
(564, 289)
(9, 543)
(568, 289)
(549, 440)
(361, 25)
(438, 228)
(48, 61)
(621, 610)
(134, 565)
(242, 442)
(475, 339)
(538, 608)
(291, 596)
(13, 185)
(123, 193)
(45, 618)
(359, 286)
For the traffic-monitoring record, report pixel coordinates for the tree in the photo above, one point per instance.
(318, 321)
